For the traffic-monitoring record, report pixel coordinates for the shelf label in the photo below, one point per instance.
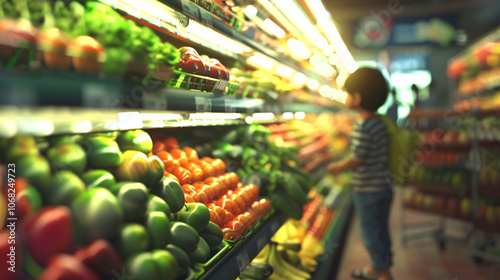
(154, 102)
(261, 243)
(191, 9)
(242, 260)
(98, 96)
(206, 17)
(203, 104)
(221, 86)
(229, 107)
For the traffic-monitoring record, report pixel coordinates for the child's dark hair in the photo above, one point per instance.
(371, 86)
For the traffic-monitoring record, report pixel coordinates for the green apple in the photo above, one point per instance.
(420, 174)
(466, 207)
(428, 201)
(490, 215)
(457, 179)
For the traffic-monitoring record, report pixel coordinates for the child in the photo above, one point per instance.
(367, 91)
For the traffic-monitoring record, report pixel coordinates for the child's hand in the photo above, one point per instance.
(335, 168)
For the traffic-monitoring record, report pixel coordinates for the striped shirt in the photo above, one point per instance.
(369, 144)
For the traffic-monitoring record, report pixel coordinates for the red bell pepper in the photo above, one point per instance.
(64, 267)
(190, 62)
(49, 234)
(102, 257)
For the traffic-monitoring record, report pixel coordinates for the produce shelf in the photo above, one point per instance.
(487, 227)
(435, 189)
(490, 191)
(439, 213)
(334, 239)
(235, 260)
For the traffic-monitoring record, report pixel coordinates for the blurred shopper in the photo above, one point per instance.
(368, 90)
(416, 90)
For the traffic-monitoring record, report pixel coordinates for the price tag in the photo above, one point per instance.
(154, 102)
(190, 9)
(229, 107)
(261, 243)
(221, 86)
(203, 104)
(206, 17)
(242, 260)
(98, 96)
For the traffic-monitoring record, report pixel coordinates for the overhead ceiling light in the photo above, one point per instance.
(263, 116)
(324, 69)
(338, 44)
(274, 28)
(292, 11)
(321, 42)
(334, 59)
(252, 10)
(288, 115)
(312, 84)
(209, 35)
(298, 48)
(318, 10)
(215, 116)
(324, 90)
(284, 71)
(300, 78)
(159, 116)
(315, 59)
(262, 61)
(300, 115)
(328, 50)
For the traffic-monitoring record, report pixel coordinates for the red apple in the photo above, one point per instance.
(87, 54)
(53, 43)
(456, 68)
(453, 205)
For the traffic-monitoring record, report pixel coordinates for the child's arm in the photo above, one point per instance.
(341, 166)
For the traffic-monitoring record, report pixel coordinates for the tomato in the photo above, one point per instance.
(266, 203)
(208, 169)
(191, 154)
(158, 147)
(253, 190)
(195, 170)
(203, 197)
(209, 190)
(219, 166)
(229, 205)
(214, 218)
(246, 197)
(225, 180)
(179, 155)
(171, 143)
(239, 185)
(171, 176)
(239, 202)
(188, 198)
(236, 225)
(216, 184)
(250, 214)
(207, 159)
(87, 53)
(227, 218)
(169, 162)
(183, 175)
(229, 234)
(244, 220)
(234, 179)
(53, 43)
(220, 212)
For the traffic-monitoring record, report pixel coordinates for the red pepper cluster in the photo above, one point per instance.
(191, 62)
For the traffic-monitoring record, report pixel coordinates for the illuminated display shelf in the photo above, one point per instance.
(201, 27)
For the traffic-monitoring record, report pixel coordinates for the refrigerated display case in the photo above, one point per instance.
(94, 96)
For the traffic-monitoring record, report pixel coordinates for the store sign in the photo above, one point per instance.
(376, 31)
(407, 62)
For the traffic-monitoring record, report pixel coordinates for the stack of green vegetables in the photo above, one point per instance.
(122, 39)
(96, 205)
(270, 165)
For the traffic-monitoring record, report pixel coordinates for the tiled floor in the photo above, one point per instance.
(421, 258)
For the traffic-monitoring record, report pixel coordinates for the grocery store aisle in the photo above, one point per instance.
(421, 259)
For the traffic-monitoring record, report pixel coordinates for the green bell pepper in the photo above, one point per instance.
(184, 236)
(171, 191)
(169, 267)
(158, 227)
(68, 157)
(212, 234)
(102, 152)
(202, 252)
(98, 178)
(35, 168)
(137, 140)
(133, 240)
(144, 266)
(194, 214)
(133, 198)
(182, 258)
(33, 196)
(62, 188)
(137, 167)
(155, 203)
(98, 215)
